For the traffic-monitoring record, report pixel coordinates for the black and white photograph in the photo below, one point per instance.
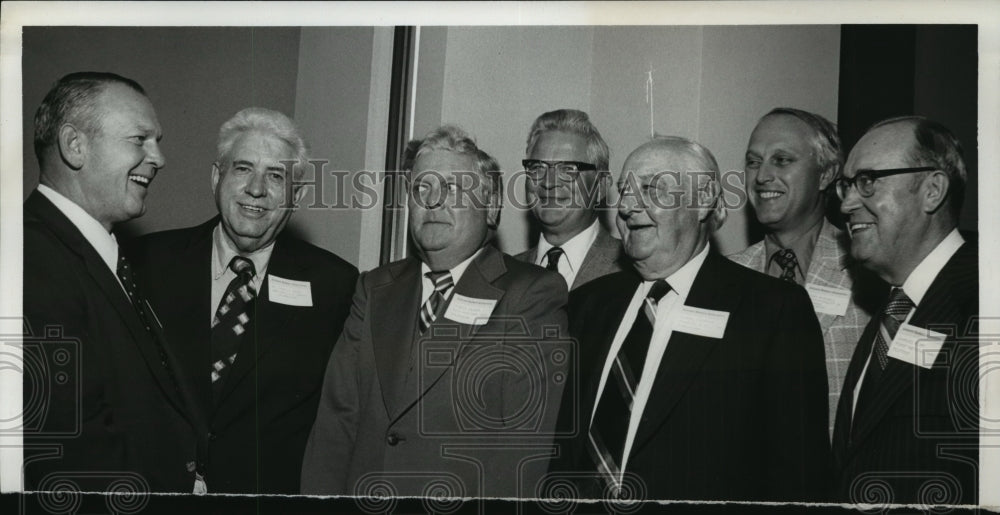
(497, 257)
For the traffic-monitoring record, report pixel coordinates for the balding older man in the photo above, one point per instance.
(707, 379)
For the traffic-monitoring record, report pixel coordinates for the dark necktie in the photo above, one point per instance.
(552, 258)
(231, 321)
(788, 263)
(142, 309)
(890, 319)
(443, 284)
(609, 428)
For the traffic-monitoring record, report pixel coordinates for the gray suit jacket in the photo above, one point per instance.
(466, 410)
(830, 267)
(604, 257)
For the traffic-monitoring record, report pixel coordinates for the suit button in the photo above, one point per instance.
(392, 439)
(212, 437)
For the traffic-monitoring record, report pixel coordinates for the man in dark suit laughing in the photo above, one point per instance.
(702, 380)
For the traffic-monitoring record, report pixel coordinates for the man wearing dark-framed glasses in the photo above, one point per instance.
(908, 414)
(566, 181)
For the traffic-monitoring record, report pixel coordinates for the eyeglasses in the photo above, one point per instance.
(864, 180)
(566, 171)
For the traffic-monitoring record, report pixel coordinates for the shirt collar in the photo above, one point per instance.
(574, 251)
(456, 272)
(224, 251)
(103, 241)
(920, 279)
(681, 280)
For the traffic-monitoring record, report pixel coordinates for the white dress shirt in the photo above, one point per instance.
(223, 252)
(680, 286)
(103, 241)
(915, 287)
(456, 274)
(574, 252)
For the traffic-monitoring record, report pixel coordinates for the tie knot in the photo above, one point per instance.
(899, 304)
(785, 258)
(660, 288)
(552, 258)
(442, 280)
(242, 267)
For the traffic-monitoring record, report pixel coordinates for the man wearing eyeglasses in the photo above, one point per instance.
(907, 421)
(566, 182)
(446, 380)
(793, 156)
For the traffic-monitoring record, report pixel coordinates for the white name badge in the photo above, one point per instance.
(289, 292)
(467, 310)
(701, 322)
(827, 300)
(916, 345)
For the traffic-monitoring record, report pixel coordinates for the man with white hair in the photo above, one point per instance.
(701, 379)
(252, 312)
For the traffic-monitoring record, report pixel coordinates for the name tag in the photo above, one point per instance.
(289, 292)
(827, 300)
(701, 322)
(467, 310)
(916, 345)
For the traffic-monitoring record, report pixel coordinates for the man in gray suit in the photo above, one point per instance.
(447, 377)
(566, 183)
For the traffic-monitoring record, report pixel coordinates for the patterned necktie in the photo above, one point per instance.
(552, 258)
(609, 428)
(443, 284)
(788, 263)
(892, 317)
(231, 320)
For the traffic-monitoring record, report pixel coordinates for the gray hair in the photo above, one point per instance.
(824, 138)
(453, 139)
(938, 147)
(575, 122)
(73, 99)
(267, 121)
(707, 162)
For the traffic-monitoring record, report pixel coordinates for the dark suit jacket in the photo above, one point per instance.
(107, 393)
(918, 440)
(737, 418)
(468, 408)
(604, 257)
(268, 404)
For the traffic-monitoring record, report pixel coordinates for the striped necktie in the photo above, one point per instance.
(609, 427)
(443, 284)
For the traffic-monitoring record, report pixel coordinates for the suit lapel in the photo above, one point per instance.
(826, 267)
(476, 282)
(392, 319)
(111, 289)
(686, 353)
(601, 252)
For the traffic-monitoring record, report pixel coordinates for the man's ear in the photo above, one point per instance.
(216, 175)
(827, 175)
(709, 201)
(934, 190)
(72, 143)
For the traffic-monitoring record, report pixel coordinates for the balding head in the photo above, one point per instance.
(669, 204)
